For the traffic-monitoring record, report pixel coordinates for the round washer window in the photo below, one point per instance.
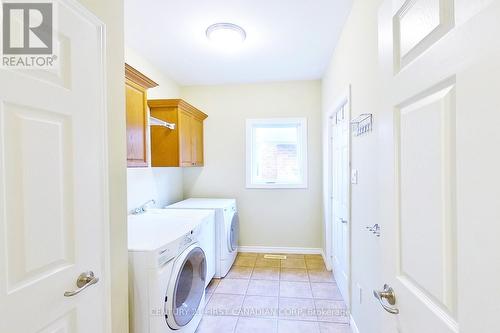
(189, 287)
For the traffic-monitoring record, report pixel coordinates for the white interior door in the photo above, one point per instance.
(340, 163)
(439, 166)
(53, 210)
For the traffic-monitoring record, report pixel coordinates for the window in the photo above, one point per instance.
(276, 153)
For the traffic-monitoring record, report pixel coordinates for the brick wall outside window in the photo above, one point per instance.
(278, 161)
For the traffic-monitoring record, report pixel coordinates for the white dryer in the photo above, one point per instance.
(226, 229)
(167, 271)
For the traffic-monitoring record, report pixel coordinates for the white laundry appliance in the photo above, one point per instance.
(206, 238)
(167, 270)
(226, 229)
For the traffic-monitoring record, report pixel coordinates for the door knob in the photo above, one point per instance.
(85, 280)
(341, 220)
(387, 295)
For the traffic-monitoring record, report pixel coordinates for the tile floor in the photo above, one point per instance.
(259, 295)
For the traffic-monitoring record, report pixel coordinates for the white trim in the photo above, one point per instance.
(343, 99)
(354, 327)
(291, 250)
(302, 146)
(328, 266)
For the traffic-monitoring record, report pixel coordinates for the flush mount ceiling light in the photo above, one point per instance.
(226, 34)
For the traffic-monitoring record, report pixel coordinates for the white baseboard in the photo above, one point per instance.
(291, 250)
(354, 328)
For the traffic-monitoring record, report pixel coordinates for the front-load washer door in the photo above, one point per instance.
(186, 288)
(233, 233)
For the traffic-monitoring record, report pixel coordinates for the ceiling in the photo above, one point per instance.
(286, 39)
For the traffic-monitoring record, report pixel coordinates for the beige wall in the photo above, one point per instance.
(164, 185)
(271, 218)
(355, 62)
(111, 13)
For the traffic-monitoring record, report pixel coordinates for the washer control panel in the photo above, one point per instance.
(174, 248)
(165, 256)
(186, 240)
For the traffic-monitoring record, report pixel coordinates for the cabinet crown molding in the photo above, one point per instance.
(137, 77)
(177, 103)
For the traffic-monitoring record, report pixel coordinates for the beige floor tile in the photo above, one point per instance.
(224, 305)
(217, 324)
(293, 263)
(256, 325)
(263, 288)
(294, 274)
(295, 289)
(266, 273)
(297, 309)
(321, 276)
(295, 326)
(260, 306)
(244, 261)
(313, 256)
(261, 262)
(315, 264)
(326, 291)
(334, 328)
(232, 286)
(240, 272)
(332, 311)
(212, 286)
(248, 254)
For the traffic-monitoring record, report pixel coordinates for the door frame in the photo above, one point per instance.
(344, 99)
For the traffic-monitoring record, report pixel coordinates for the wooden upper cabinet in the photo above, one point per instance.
(136, 85)
(182, 146)
(197, 141)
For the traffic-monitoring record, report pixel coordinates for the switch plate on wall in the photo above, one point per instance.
(360, 294)
(354, 176)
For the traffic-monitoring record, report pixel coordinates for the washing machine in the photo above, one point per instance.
(206, 237)
(167, 271)
(226, 229)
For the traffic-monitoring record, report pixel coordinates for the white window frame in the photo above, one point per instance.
(301, 145)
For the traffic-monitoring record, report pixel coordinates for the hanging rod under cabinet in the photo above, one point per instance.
(157, 122)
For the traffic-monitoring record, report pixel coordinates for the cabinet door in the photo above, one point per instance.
(197, 141)
(185, 138)
(136, 125)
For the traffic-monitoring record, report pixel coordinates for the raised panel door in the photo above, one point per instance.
(439, 196)
(53, 191)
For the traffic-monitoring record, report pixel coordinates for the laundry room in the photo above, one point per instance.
(249, 166)
(204, 134)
